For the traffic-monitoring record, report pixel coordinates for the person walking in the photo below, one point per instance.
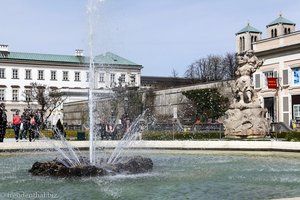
(25, 120)
(16, 125)
(32, 128)
(3, 122)
(110, 131)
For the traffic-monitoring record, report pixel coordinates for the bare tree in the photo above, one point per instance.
(229, 62)
(174, 73)
(48, 99)
(212, 68)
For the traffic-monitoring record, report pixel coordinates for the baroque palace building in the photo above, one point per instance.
(67, 73)
(281, 54)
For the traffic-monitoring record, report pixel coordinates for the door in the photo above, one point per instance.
(269, 105)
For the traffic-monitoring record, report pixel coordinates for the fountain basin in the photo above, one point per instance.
(175, 175)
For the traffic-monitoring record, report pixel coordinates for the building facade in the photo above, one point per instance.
(281, 54)
(67, 73)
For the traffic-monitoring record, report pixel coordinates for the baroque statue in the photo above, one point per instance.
(245, 117)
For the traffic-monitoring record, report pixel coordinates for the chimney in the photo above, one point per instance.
(3, 48)
(78, 52)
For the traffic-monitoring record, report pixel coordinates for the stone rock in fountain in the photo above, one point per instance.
(60, 168)
(245, 117)
(133, 165)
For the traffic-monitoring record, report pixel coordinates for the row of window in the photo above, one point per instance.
(294, 78)
(15, 95)
(274, 32)
(41, 74)
(242, 42)
(65, 77)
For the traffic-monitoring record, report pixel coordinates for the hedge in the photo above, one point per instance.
(289, 136)
(181, 135)
(47, 133)
(72, 134)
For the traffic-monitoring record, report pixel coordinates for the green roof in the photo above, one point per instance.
(42, 57)
(281, 20)
(108, 58)
(112, 59)
(248, 28)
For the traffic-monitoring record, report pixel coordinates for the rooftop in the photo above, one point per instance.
(281, 20)
(108, 58)
(248, 28)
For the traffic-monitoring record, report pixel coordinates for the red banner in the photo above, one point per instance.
(272, 83)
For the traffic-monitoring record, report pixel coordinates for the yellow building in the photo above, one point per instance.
(281, 54)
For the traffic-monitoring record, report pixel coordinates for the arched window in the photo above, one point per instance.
(289, 30)
(272, 33)
(285, 31)
(241, 44)
(275, 32)
(255, 38)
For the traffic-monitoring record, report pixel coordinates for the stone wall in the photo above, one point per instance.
(167, 101)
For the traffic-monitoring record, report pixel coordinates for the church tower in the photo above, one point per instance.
(280, 26)
(245, 38)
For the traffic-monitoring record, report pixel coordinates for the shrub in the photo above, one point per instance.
(289, 136)
(181, 135)
(47, 133)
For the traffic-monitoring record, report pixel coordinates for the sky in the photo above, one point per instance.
(160, 35)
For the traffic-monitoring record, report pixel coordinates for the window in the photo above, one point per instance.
(27, 74)
(122, 78)
(296, 110)
(112, 78)
(2, 94)
(28, 95)
(296, 76)
(2, 73)
(274, 33)
(253, 39)
(269, 74)
(87, 77)
(65, 76)
(15, 74)
(40, 74)
(101, 77)
(132, 79)
(242, 44)
(15, 94)
(77, 76)
(53, 75)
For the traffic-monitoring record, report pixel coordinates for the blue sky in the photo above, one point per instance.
(161, 35)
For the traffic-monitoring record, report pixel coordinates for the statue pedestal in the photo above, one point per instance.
(245, 121)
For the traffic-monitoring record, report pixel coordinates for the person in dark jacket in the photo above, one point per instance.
(3, 122)
(25, 120)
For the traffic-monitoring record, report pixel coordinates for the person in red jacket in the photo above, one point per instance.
(16, 124)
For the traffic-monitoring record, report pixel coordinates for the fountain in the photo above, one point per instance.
(73, 165)
(175, 175)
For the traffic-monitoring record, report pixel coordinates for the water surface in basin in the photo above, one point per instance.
(176, 175)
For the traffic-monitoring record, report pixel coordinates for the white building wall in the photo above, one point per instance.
(71, 86)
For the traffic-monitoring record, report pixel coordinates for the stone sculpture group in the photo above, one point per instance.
(245, 117)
